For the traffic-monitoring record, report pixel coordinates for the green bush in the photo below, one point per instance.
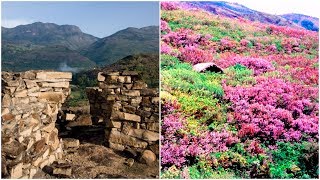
(181, 77)
(295, 160)
(239, 75)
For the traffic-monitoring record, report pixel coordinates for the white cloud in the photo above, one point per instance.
(10, 23)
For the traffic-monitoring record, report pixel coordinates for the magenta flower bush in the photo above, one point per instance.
(272, 107)
(164, 27)
(194, 55)
(169, 6)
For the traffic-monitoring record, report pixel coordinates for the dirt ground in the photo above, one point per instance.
(94, 160)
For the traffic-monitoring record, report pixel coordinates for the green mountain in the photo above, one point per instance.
(124, 43)
(21, 58)
(48, 34)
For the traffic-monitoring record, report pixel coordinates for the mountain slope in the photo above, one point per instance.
(235, 10)
(48, 34)
(21, 58)
(123, 43)
(308, 22)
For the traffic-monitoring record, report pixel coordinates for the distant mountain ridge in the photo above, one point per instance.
(50, 46)
(39, 33)
(235, 10)
(124, 43)
(308, 22)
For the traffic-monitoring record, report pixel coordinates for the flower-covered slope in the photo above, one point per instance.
(258, 119)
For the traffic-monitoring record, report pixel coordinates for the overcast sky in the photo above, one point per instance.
(97, 18)
(307, 7)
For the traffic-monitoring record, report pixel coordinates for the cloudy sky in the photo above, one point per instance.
(97, 18)
(307, 7)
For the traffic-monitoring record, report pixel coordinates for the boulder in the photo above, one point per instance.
(202, 67)
(148, 157)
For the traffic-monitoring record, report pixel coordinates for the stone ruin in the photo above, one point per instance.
(130, 111)
(30, 103)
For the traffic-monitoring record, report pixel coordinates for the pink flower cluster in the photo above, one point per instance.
(291, 32)
(165, 27)
(271, 110)
(169, 6)
(194, 55)
(185, 37)
(258, 65)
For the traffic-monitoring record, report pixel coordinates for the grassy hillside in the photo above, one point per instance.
(258, 119)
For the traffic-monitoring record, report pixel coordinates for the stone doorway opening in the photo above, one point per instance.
(120, 121)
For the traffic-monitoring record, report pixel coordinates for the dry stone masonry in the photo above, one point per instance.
(129, 109)
(30, 103)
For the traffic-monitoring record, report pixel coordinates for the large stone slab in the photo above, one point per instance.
(132, 117)
(56, 84)
(52, 96)
(54, 75)
(119, 138)
(144, 134)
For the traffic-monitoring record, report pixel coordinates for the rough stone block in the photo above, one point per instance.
(71, 143)
(155, 100)
(139, 85)
(30, 83)
(116, 146)
(22, 93)
(6, 100)
(70, 117)
(117, 115)
(128, 86)
(144, 134)
(54, 75)
(121, 79)
(131, 92)
(132, 117)
(113, 124)
(113, 73)
(28, 75)
(148, 157)
(101, 77)
(16, 171)
(119, 138)
(57, 97)
(153, 126)
(56, 84)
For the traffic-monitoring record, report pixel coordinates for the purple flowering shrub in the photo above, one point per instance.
(273, 110)
(169, 6)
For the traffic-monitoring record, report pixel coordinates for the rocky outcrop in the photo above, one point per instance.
(129, 109)
(30, 103)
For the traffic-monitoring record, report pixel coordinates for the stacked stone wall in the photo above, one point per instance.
(30, 103)
(129, 109)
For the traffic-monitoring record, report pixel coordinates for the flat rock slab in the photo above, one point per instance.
(202, 67)
(71, 143)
